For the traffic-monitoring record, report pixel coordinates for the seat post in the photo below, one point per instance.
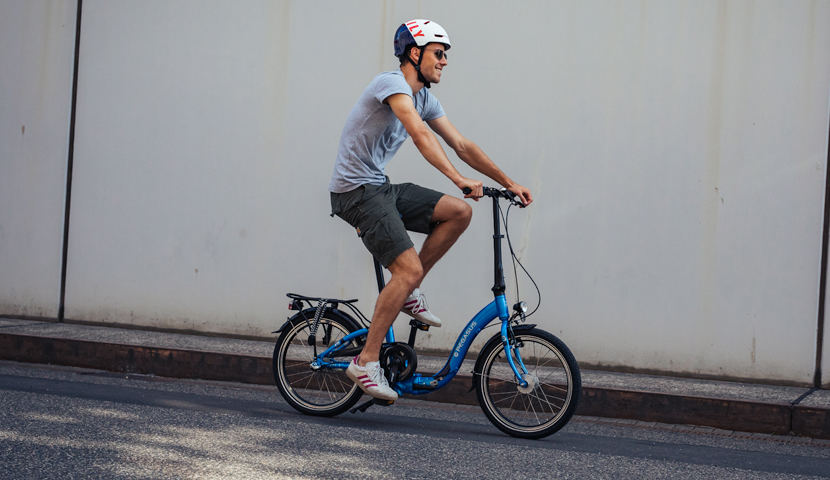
(379, 274)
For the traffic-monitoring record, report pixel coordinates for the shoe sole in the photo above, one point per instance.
(425, 322)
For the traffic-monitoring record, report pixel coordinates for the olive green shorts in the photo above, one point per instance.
(382, 214)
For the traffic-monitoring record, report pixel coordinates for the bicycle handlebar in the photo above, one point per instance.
(498, 193)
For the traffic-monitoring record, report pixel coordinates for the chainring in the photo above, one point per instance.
(399, 361)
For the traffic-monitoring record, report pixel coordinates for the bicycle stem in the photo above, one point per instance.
(498, 290)
(498, 284)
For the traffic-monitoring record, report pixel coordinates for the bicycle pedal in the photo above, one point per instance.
(374, 401)
(419, 325)
(362, 407)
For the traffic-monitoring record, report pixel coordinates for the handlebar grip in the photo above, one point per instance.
(466, 190)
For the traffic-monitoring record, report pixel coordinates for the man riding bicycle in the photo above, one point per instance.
(393, 107)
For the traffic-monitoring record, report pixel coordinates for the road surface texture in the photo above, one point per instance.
(63, 422)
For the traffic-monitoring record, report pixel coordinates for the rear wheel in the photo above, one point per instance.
(322, 391)
(553, 388)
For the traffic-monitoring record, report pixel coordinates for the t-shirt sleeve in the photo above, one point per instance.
(388, 85)
(432, 108)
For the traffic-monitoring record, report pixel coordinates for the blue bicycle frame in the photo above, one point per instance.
(418, 384)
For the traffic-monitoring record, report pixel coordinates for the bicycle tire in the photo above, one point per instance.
(324, 392)
(553, 393)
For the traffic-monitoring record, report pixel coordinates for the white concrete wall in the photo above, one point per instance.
(676, 151)
(37, 45)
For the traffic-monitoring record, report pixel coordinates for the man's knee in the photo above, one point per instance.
(407, 267)
(452, 209)
(466, 212)
(462, 213)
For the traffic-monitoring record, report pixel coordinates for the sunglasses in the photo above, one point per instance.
(440, 54)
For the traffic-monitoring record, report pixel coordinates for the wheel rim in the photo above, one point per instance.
(322, 389)
(534, 408)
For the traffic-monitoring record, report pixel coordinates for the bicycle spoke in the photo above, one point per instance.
(555, 387)
(548, 401)
(310, 378)
(325, 385)
(512, 381)
(303, 373)
(503, 393)
(513, 395)
(343, 384)
(514, 401)
(545, 400)
(535, 415)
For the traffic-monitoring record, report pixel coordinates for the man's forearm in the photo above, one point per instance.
(473, 156)
(429, 147)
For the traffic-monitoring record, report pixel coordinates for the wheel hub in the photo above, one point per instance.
(532, 383)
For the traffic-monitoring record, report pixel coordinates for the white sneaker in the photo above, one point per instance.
(416, 307)
(370, 379)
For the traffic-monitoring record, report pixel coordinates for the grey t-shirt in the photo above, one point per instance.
(373, 134)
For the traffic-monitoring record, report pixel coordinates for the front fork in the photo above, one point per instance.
(510, 350)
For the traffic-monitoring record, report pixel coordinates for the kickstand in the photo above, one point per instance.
(374, 401)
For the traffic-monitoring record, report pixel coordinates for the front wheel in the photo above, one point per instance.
(325, 391)
(553, 388)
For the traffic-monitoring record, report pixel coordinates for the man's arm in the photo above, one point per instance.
(473, 156)
(428, 145)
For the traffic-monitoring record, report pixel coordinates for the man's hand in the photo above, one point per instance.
(475, 186)
(523, 193)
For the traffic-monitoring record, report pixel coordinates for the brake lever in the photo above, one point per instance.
(513, 198)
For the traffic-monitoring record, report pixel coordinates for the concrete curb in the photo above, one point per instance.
(726, 414)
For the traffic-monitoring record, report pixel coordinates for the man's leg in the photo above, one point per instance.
(453, 216)
(406, 274)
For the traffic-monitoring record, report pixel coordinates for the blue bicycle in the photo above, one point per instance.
(526, 379)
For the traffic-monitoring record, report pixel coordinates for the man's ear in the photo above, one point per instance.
(414, 54)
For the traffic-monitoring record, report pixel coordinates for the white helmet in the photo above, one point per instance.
(420, 32)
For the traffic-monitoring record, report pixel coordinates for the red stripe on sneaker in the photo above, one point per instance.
(368, 382)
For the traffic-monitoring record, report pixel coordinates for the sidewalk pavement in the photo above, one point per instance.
(744, 407)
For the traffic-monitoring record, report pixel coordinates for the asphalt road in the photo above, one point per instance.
(68, 423)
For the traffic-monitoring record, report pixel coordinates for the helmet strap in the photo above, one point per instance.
(418, 68)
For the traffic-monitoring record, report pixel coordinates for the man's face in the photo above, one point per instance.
(431, 66)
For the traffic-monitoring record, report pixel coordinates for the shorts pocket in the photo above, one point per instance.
(371, 221)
